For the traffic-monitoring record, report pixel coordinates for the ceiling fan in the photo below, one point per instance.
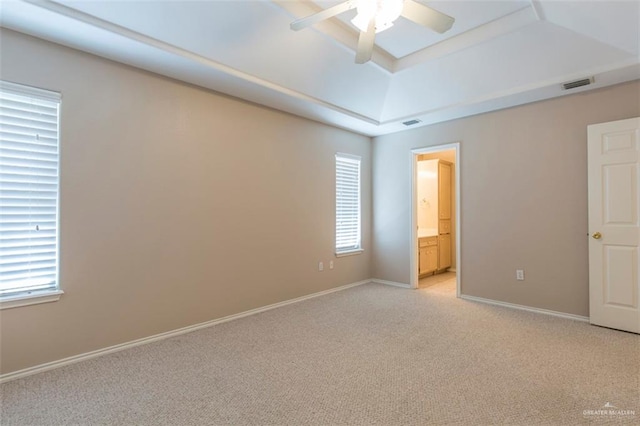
(378, 15)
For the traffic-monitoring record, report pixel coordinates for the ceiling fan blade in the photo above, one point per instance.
(424, 15)
(321, 16)
(365, 43)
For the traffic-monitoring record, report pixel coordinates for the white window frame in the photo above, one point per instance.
(356, 247)
(30, 295)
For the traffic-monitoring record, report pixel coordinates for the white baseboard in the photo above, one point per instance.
(393, 283)
(451, 270)
(143, 341)
(525, 308)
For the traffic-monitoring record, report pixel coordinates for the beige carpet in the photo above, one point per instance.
(368, 355)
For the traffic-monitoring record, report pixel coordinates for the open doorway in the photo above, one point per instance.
(435, 222)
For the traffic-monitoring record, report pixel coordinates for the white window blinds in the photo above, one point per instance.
(28, 189)
(347, 203)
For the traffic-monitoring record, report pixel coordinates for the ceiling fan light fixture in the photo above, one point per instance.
(384, 11)
(374, 16)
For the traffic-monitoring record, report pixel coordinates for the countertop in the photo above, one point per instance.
(427, 232)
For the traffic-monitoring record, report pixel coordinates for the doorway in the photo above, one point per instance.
(435, 215)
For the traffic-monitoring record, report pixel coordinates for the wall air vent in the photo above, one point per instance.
(411, 122)
(577, 83)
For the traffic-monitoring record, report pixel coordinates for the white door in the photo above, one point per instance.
(614, 228)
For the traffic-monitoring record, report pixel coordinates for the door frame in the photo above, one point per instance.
(413, 249)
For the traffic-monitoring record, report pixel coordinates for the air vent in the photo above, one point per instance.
(411, 122)
(577, 83)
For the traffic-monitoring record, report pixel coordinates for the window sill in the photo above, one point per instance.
(349, 252)
(30, 299)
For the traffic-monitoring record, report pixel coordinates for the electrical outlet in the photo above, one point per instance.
(320, 266)
(520, 274)
(331, 264)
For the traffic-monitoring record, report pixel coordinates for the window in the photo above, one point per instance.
(29, 122)
(348, 237)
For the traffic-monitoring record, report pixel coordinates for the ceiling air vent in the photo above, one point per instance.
(411, 122)
(577, 83)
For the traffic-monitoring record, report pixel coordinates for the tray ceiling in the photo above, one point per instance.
(498, 53)
(407, 37)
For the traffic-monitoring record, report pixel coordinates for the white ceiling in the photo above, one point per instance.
(498, 53)
(408, 37)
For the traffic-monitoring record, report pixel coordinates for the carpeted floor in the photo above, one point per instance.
(370, 355)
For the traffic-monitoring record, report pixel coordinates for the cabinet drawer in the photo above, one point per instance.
(445, 226)
(428, 241)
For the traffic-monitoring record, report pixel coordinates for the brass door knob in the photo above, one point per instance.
(597, 235)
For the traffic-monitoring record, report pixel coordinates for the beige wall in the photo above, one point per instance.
(178, 206)
(523, 197)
